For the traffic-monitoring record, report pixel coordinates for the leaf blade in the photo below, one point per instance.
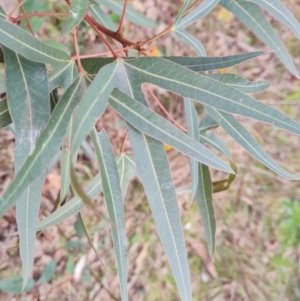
(243, 137)
(46, 147)
(155, 126)
(113, 197)
(186, 83)
(154, 171)
(30, 111)
(20, 41)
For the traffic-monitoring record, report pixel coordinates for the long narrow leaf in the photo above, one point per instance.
(93, 104)
(197, 13)
(63, 76)
(206, 90)
(197, 64)
(190, 40)
(29, 108)
(154, 171)
(251, 15)
(46, 147)
(183, 9)
(204, 201)
(281, 13)
(113, 197)
(159, 128)
(239, 83)
(5, 118)
(131, 14)
(192, 125)
(126, 170)
(242, 136)
(76, 14)
(22, 42)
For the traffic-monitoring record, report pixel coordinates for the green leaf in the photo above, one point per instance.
(47, 146)
(76, 14)
(159, 128)
(204, 201)
(126, 170)
(243, 137)
(131, 14)
(63, 76)
(197, 13)
(102, 17)
(154, 171)
(2, 82)
(215, 142)
(190, 40)
(251, 15)
(113, 197)
(5, 118)
(239, 83)
(66, 162)
(93, 104)
(193, 132)
(29, 108)
(186, 83)
(184, 8)
(281, 13)
(207, 123)
(92, 189)
(22, 42)
(49, 271)
(197, 64)
(14, 285)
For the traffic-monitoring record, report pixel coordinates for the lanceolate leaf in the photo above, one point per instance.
(131, 14)
(29, 108)
(22, 42)
(46, 147)
(113, 197)
(198, 13)
(192, 124)
(204, 201)
(93, 104)
(5, 118)
(218, 144)
(190, 40)
(183, 9)
(197, 64)
(243, 137)
(63, 76)
(207, 123)
(206, 90)
(126, 170)
(163, 187)
(92, 189)
(159, 128)
(154, 171)
(102, 17)
(281, 13)
(251, 15)
(76, 14)
(239, 83)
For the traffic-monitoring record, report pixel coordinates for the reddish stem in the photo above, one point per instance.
(27, 21)
(118, 32)
(164, 110)
(123, 145)
(40, 14)
(80, 68)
